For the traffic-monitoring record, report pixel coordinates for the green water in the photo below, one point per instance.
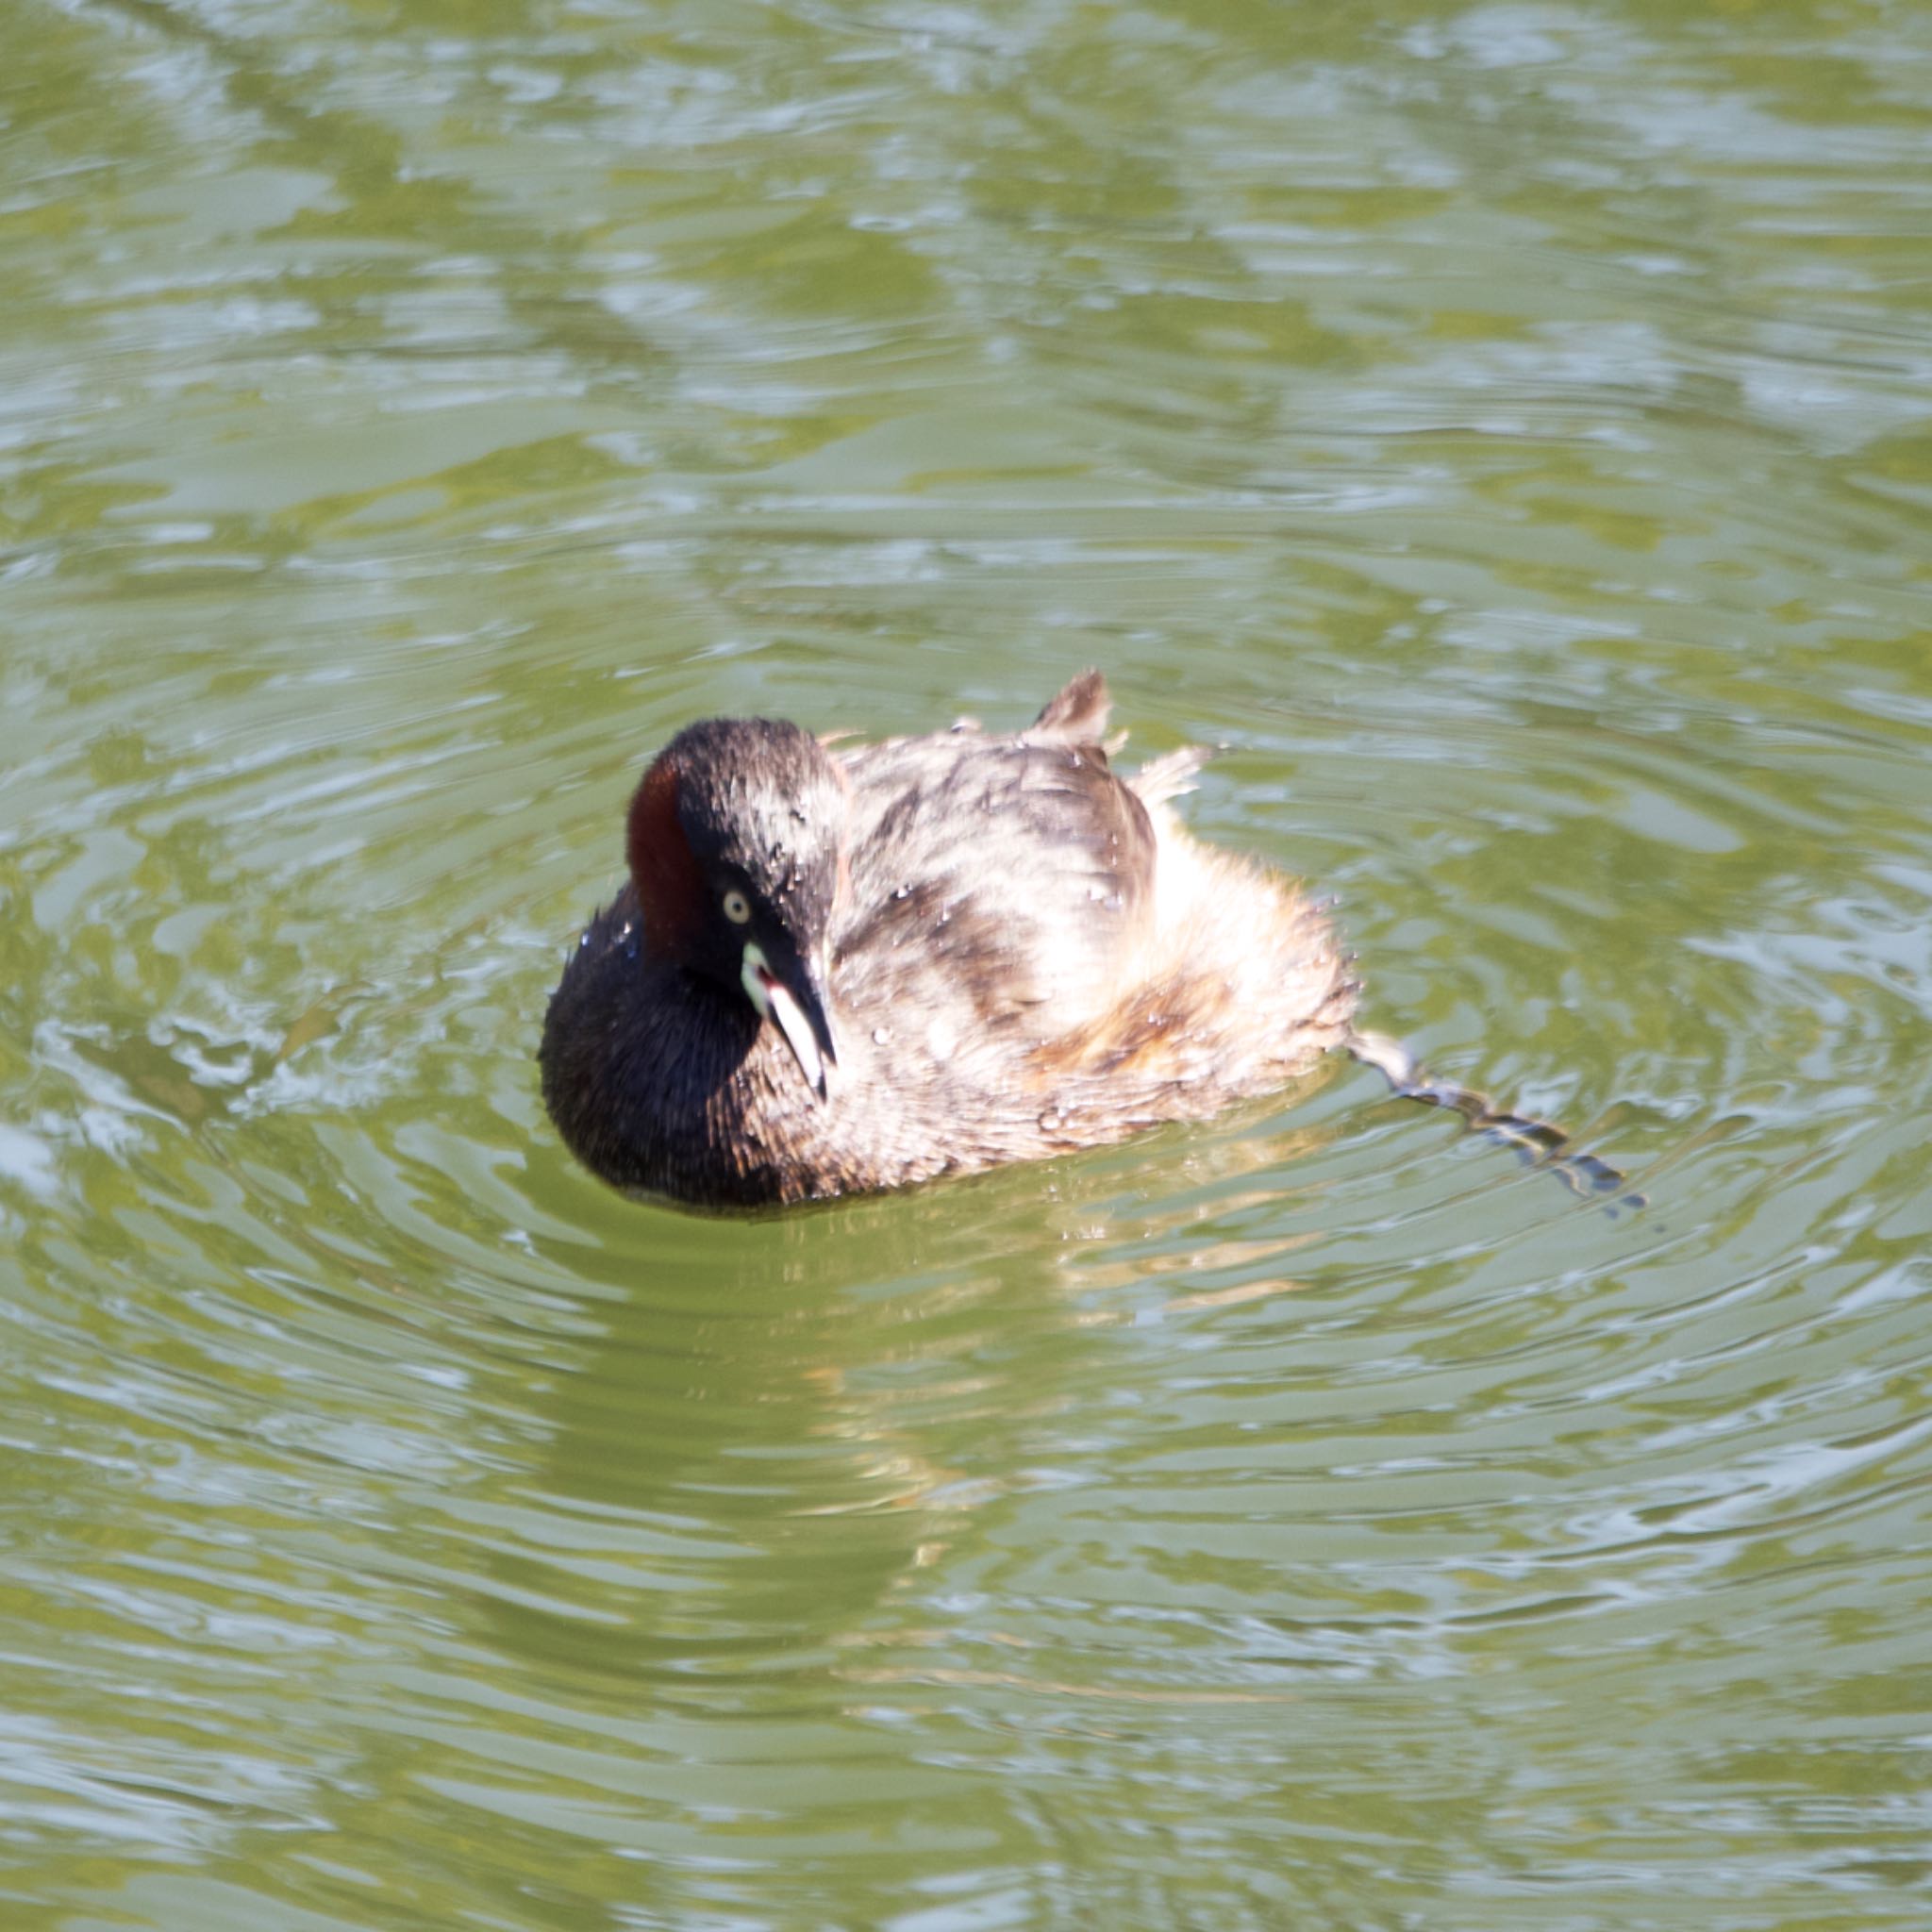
(1509, 428)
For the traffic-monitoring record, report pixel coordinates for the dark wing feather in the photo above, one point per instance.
(1078, 713)
(1010, 879)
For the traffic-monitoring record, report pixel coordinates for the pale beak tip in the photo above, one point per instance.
(774, 1000)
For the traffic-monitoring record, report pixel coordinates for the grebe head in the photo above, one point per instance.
(733, 841)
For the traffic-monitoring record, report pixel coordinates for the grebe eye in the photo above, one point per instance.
(737, 907)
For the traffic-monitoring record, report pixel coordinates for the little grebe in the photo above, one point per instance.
(838, 970)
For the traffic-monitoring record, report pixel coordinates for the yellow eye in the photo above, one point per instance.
(737, 907)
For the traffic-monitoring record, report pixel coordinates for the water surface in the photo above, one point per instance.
(1508, 430)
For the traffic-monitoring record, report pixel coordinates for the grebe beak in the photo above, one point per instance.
(793, 999)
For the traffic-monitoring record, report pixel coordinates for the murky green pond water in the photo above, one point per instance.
(1508, 428)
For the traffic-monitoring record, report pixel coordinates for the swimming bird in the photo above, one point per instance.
(840, 969)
